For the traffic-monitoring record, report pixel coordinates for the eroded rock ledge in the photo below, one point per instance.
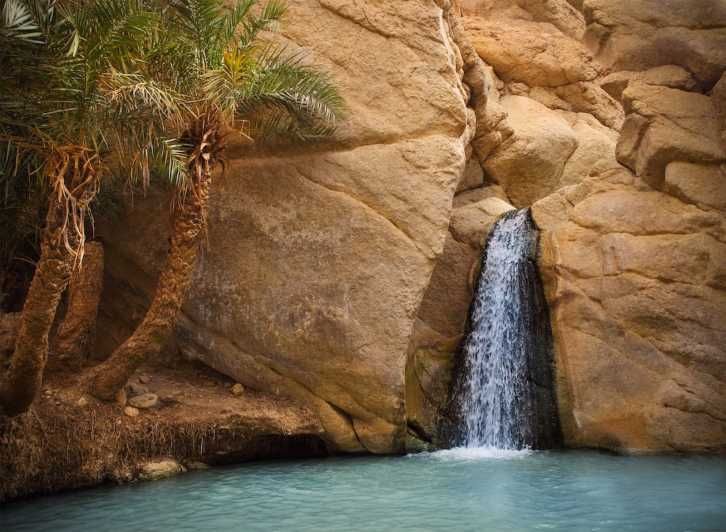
(70, 440)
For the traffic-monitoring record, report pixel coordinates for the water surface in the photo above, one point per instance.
(459, 490)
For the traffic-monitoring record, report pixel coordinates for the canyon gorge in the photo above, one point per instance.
(339, 277)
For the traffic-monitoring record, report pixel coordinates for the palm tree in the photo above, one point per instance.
(235, 84)
(78, 102)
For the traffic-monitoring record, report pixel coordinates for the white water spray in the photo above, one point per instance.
(497, 400)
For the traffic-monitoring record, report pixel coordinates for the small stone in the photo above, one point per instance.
(160, 469)
(146, 400)
(144, 379)
(82, 402)
(237, 389)
(131, 411)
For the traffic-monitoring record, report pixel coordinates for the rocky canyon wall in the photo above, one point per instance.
(318, 256)
(341, 274)
(624, 169)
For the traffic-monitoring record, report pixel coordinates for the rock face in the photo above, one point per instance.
(631, 255)
(635, 281)
(318, 258)
(639, 34)
(341, 274)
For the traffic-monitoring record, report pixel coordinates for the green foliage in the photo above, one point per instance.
(217, 57)
(81, 78)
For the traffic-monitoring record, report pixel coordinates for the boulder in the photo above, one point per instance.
(473, 176)
(595, 152)
(160, 469)
(534, 53)
(672, 76)
(318, 256)
(530, 164)
(664, 125)
(640, 34)
(700, 184)
(560, 13)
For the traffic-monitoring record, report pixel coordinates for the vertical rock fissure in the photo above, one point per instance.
(502, 393)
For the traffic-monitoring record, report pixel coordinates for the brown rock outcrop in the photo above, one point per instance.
(317, 261)
(531, 162)
(640, 34)
(634, 278)
(665, 125)
(633, 264)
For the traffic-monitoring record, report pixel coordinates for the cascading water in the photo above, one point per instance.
(502, 394)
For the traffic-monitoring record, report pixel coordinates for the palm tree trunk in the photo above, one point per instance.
(149, 338)
(77, 332)
(24, 378)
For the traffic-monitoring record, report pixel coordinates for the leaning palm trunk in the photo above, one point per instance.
(77, 332)
(189, 227)
(75, 182)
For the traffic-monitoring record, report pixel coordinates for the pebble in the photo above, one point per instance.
(144, 379)
(131, 411)
(237, 389)
(145, 400)
(82, 402)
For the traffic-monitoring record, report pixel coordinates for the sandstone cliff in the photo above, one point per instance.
(340, 275)
(318, 259)
(625, 171)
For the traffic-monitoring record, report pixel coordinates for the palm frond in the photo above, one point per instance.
(267, 20)
(287, 97)
(168, 156)
(19, 20)
(108, 30)
(133, 95)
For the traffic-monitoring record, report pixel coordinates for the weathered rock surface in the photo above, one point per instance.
(634, 278)
(534, 53)
(671, 76)
(666, 125)
(317, 261)
(160, 469)
(531, 162)
(632, 263)
(144, 401)
(640, 34)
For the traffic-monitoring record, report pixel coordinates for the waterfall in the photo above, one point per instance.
(502, 393)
